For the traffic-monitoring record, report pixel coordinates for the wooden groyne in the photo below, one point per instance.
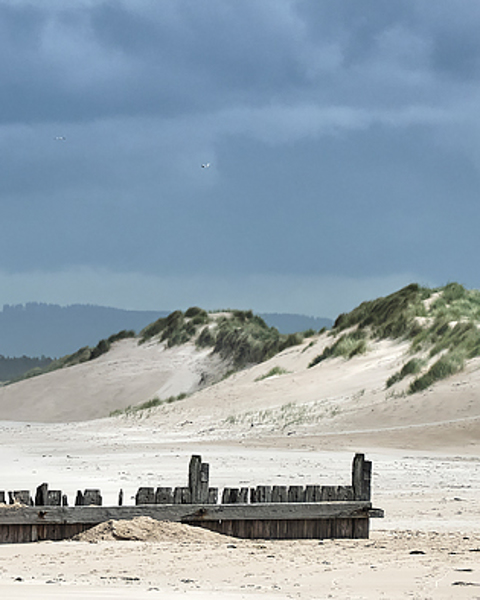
(267, 512)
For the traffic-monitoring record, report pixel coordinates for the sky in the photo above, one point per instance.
(343, 140)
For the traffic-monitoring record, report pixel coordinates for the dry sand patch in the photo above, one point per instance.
(392, 564)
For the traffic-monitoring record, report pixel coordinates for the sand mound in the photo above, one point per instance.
(146, 529)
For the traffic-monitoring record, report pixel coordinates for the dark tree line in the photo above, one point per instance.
(10, 368)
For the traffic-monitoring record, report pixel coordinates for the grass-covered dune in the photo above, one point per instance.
(238, 336)
(441, 325)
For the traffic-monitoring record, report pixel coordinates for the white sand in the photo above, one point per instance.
(299, 428)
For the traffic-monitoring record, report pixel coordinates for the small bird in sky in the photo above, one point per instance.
(60, 138)
(205, 165)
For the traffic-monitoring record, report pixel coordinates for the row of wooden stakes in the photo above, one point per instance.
(199, 492)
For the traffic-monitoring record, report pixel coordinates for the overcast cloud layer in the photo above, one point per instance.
(343, 138)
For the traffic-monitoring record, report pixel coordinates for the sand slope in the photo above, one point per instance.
(334, 397)
(128, 374)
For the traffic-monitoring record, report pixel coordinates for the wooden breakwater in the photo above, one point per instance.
(267, 512)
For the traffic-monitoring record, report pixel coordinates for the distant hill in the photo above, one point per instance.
(37, 329)
(291, 323)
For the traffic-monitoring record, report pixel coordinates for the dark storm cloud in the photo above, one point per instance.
(170, 58)
(343, 137)
(69, 62)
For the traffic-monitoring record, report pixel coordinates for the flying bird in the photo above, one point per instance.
(205, 165)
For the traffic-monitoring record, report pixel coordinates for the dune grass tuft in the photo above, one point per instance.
(348, 346)
(272, 373)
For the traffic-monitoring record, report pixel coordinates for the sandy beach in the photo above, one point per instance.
(426, 476)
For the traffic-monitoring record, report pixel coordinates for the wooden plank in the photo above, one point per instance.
(361, 528)
(288, 529)
(184, 512)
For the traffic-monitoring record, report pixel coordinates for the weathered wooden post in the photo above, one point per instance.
(213, 495)
(41, 495)
(92, 497)
(182, 495)
(164, 495)
(198, 476)
(21, 496)
(54, 498)
(361, 477)
(261, 494)
(145, 495)
(279, 493)
(235, 496)
(296, 493)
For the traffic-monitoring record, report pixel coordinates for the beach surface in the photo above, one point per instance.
(299, 428)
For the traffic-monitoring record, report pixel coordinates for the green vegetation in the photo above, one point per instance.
(245, 339)
(238, 336)
(152, 330)
(447, 365)
(149, 404)
(412, 367)
(348, 346)
(274, 371)
(198, 315)
(121, 335)
(442, 321)
(176, 329)
(389, 317)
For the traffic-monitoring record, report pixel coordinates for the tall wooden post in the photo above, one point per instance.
(361, 477)
(41, 496)
(198, 476)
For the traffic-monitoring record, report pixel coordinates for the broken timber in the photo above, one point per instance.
(267, 512)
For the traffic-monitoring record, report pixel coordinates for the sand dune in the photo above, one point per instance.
(334, 397)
